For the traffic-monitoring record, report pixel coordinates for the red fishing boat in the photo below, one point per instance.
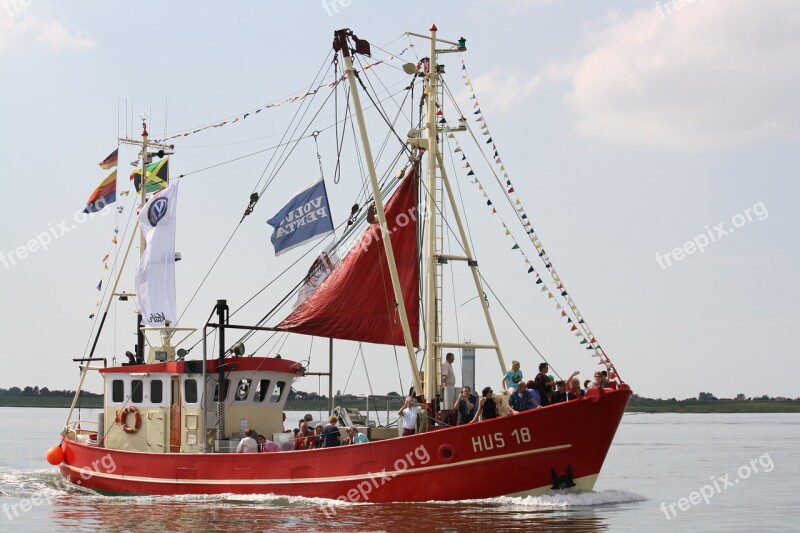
(170, 425)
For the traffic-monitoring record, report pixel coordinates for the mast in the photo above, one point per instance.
(142, 242)
(434, 257)
(340, 42)
(146, 157)
(431, 203)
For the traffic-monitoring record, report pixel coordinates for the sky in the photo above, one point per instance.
(653, 144)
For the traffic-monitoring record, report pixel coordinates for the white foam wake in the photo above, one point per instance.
(563, 500)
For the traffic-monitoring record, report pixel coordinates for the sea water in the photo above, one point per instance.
(664, 472)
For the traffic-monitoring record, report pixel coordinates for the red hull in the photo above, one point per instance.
(571, 437)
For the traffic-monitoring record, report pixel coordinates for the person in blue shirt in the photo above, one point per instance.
(522, 399)
(513, 377)
(355, 436)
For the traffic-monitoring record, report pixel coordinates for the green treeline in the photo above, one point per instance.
(705, 402)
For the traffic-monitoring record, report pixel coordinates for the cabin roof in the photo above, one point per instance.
(266, 364)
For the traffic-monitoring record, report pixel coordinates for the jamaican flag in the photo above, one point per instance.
(157, 176)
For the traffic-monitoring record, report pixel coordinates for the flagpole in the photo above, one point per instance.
(146, 157)
(142, 241)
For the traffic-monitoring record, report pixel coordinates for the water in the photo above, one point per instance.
(655, 459)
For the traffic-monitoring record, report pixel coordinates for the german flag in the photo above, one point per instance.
(157, 176)
(110, 161)
(104, 194)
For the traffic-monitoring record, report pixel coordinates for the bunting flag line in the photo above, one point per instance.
(278, 103)
(578, 326)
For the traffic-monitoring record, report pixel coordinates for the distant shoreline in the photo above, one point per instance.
(637, 406)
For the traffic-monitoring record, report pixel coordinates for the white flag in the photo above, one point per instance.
(319, 270)
(155, 275)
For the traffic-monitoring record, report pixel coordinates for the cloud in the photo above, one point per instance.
(712, 74)
(19, 28)
(501, 89)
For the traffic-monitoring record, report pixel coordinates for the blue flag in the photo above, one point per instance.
(306, 217)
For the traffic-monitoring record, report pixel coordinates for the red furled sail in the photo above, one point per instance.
(356, 301)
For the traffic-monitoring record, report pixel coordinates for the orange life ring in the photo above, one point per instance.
(122, 419)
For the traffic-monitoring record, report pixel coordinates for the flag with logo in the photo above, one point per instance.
(322, 266)
(155, 275)
(306, 217)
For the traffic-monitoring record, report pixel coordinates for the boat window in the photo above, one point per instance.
(242, 390)
(276, 394)
(190, 390)
(225, 384)
(137, 392)
(261, 390)
(117, 391)
(156, 391)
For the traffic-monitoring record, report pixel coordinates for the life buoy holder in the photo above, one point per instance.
(122, 419)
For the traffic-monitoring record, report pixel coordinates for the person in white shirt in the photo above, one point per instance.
(448, 381)
(248, 444)
(408, 413)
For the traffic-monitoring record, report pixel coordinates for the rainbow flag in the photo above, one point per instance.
(104, 194)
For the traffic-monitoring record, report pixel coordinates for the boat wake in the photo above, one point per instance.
(563, 500)
(48, 482)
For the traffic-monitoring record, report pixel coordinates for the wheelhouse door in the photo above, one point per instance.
(175, 415)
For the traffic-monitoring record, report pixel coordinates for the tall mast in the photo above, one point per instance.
(431, 205)
(434, 257)
(146, 158)
(340, 42)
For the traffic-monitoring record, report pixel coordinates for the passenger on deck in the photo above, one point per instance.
(542, 384)
(448, 381)
(560, 394)
(316, 439)
(512, 377)
(523, 399)
(464, 407)
(356, 437)
(330, 434)
(599, 380)
(487, 407)
(266, 445)
(408, 413)
(301, 440)
(574, 391)
(248, 444)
